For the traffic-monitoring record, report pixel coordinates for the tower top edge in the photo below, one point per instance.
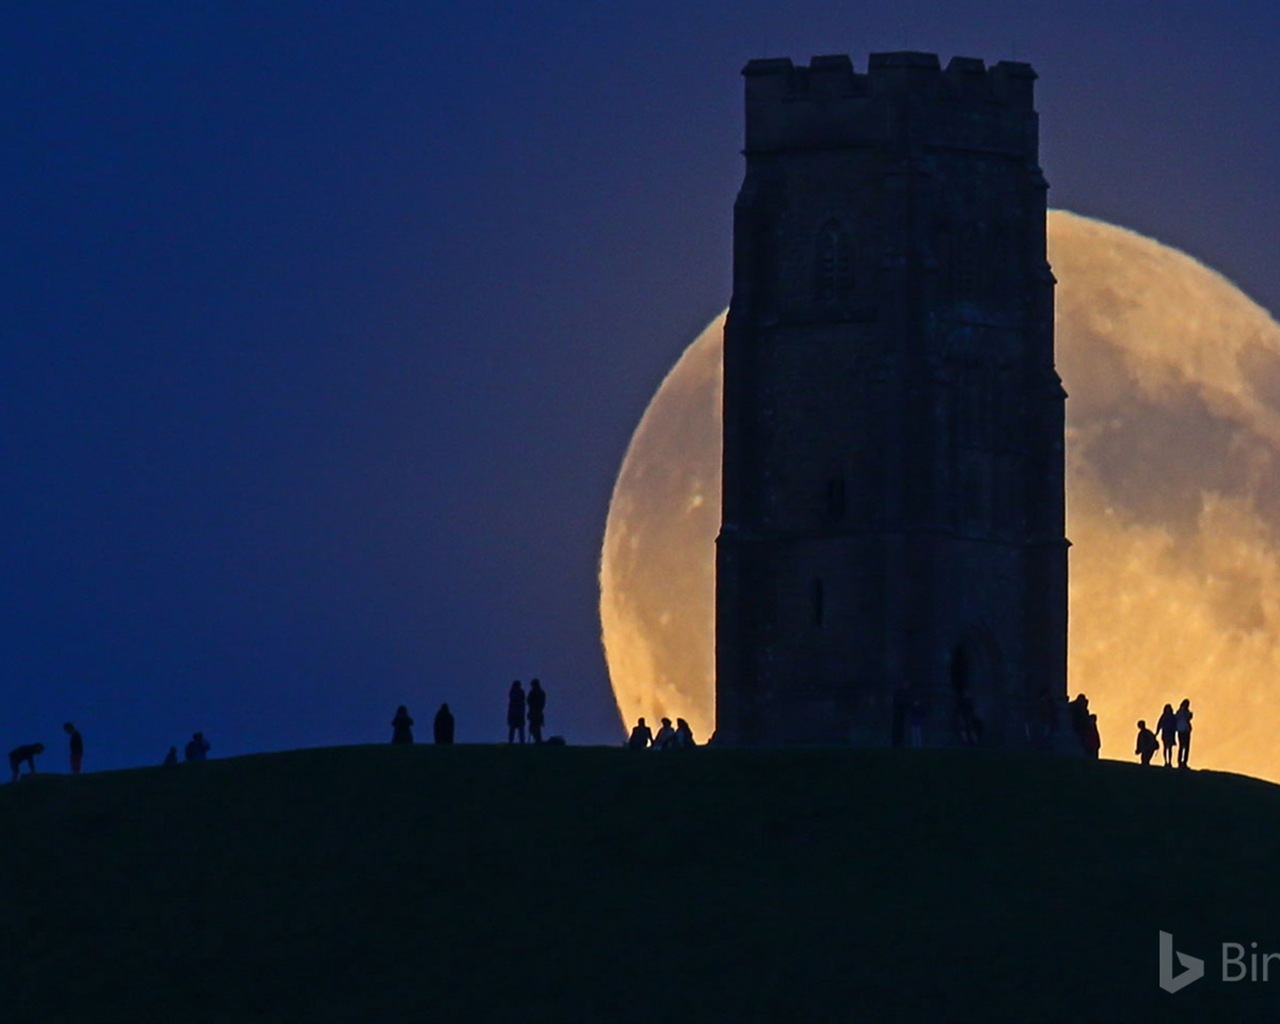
(833, 77)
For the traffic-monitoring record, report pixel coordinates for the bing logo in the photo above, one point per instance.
(1238, 964)
(1193, 966)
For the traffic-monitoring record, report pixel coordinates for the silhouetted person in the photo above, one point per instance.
(915, 724)
(1147, 743)
(1044, 719)
(684, 735)
(641, 736)
(1092, 738)
(171, 757)
(1182, 721)
(537, 709)
(967, 725)
(515, 712)
(197, 747)
(442, 727)
(1167, 727)
(901, 710)
(77, 747)
(666, 736)
(27, 753)
(402, 726)
(1079, 709)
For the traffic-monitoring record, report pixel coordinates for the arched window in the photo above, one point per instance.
(834, 265)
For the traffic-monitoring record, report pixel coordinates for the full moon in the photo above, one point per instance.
(1173, 507)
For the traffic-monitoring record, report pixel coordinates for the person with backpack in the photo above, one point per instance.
(1147, 743)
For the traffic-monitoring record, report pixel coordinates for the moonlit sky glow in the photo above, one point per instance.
(326, 325)
(1172, 504)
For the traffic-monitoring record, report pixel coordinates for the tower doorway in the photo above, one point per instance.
(977, 690)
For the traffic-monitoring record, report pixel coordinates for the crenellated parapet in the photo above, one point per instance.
(828, 104)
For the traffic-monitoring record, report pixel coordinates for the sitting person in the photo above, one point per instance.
(665, 740)
(641, 736)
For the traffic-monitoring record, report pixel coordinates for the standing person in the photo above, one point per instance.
(901, 708)
(1147, 743)
(1092, 738)
(171, 757)
(537, 709)
(77, 747)
(442, 728)
(27, 752)
(1182, 724)
(1080, 720)
(402, 726)
(665, 739)
(1044, 718)
(515, 712)
(915, 724)
(1167, 727)
(684, 735)
(197, 747)
(967, 724)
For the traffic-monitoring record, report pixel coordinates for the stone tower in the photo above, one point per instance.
(893, 509)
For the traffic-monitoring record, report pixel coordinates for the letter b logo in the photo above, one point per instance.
(1194, 966)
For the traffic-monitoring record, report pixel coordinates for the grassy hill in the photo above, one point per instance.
(585, 885)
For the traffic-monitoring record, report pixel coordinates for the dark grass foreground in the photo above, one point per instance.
(576, 885)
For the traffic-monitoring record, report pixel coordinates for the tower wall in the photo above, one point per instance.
(893, 498)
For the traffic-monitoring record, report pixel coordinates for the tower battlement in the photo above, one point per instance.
(828, 104)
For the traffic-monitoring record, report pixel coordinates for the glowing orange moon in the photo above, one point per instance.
(1173, 483)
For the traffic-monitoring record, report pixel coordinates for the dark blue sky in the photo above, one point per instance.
(325, 326)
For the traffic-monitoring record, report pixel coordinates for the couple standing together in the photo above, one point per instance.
(1175, 727)
(534, 704)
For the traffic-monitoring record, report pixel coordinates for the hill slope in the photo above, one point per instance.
(497, 884)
